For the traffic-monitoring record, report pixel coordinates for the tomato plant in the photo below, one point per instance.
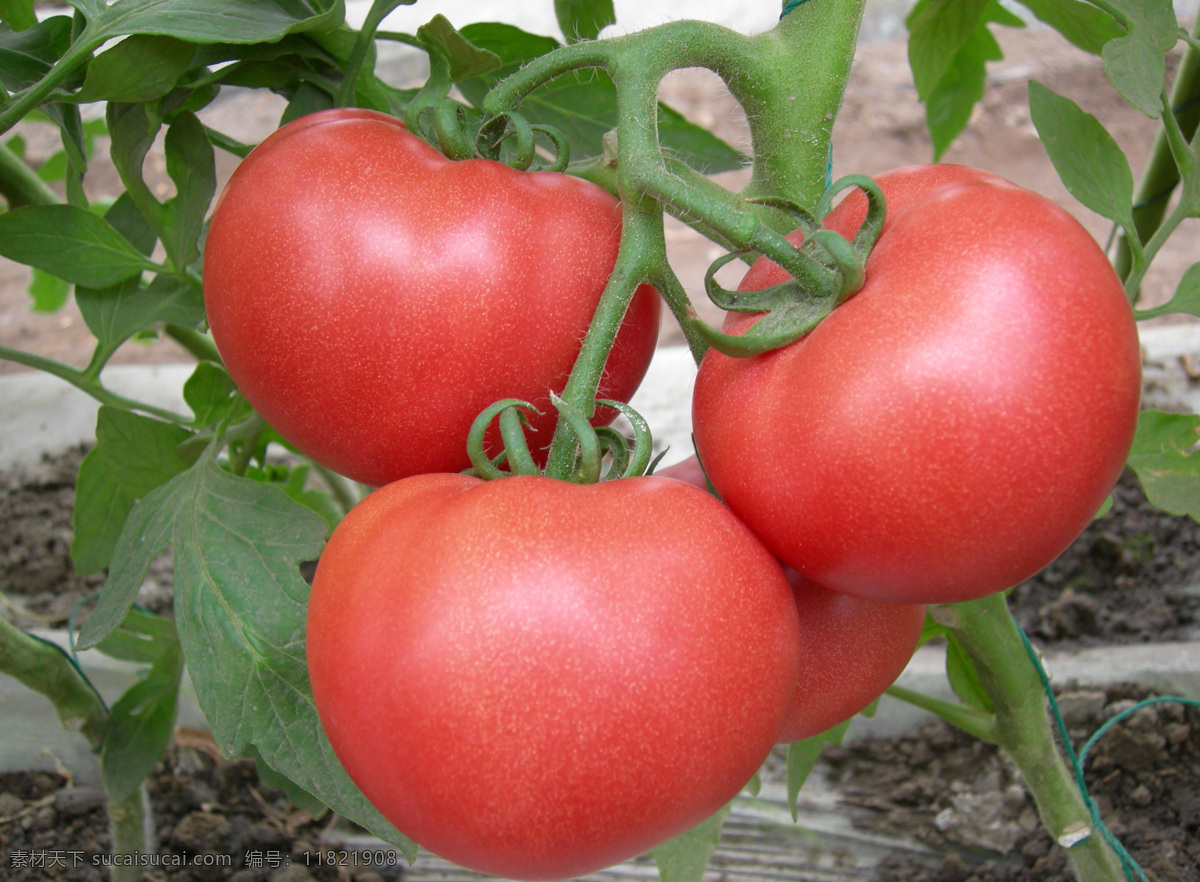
(531, 685)
(953, 426)
(370, 297)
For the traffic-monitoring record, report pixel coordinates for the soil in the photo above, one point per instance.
(1128, 579)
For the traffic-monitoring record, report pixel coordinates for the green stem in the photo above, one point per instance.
(20, 185)
(1161, 174)
(44, 668)
(90, 385)
(21, 103)
(196, 343)
(987, 632)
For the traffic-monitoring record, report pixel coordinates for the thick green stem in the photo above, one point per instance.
(20, 185)
(44, 668)
(988, 633)
(21, 103)
(1161, 174)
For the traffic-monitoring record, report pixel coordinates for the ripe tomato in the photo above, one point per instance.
(370, 297)
(537, 679)
(851, 649)
(951, 428)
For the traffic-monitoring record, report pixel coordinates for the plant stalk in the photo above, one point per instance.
(987, 632)
(46, 669)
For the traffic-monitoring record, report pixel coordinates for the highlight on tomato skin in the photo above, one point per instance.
(537, 679)
(370, 297)
(950, 429)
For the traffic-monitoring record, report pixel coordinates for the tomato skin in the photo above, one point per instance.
(370, 297)
(852, 650)
(537, 679)
(950, 429)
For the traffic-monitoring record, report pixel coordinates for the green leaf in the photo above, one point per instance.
(240, 609)
(296, 795)
(133, 455)
(70, 242)
(17, 14)
(140, 638)
(133, 128)
(1137, 68)
(140, 725)
(116, 313)
(949, 106)
(1165, 461)
(1080, 23)
(463, 58)
(1084, 154)
(938, 31)
(143, 67)
(685, 858)
(209, 393)
(1185, 300)
(27, 55)
(802, 758)
(963, 677)
(191, 164)
(211, 21)
(49, 292)
(584, 19)
(583, 106)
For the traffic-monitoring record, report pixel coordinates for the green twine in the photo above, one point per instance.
(1132, 871)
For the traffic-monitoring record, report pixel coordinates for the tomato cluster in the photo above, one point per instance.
(535, 678)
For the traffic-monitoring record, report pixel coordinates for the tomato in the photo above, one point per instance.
(370, 297)
(537, 679)
(951, 428)
(851, 649)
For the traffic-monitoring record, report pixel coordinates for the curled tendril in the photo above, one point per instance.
(561, 156)
(516, 447)
(588, 461)
(827, 269)
(501, 128)
(643, 444)
(449, 125)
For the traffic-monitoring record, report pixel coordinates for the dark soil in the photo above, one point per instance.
(1128, 579)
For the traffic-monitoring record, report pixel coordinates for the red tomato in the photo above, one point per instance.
(370, 297)
(537, 679)
(851, 651)
(950, 429)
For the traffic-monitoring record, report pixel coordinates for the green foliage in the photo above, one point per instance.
(686, 857)
(1165, 461)
(584, 19)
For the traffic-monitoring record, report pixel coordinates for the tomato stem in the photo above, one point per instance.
(988, 633)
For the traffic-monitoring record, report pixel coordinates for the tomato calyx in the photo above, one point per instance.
(826, 271)
(602, 453)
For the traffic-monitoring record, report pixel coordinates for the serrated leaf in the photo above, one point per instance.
(1084, 154)
(140, 725)
(70, 242)
(963, 677)
(133, 455)
(140, 638)
(685, 858)
(211, 21)
(118, 312)
(584, 19)
(802, 758)
(143, 67)
(1164, 459)
(1082, 24)
(463, 58)
(191, 164)
(208, 392)
(240, 610)
(27, 55)
(949, 106)
(294, 482)
(1137, 68)
(938, 30)
(296, 795)
(1186, 299)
